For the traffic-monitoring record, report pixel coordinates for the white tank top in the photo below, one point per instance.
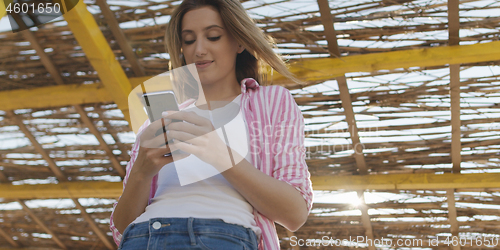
(209, 198)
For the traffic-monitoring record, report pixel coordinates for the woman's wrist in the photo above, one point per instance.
(139, 178)
(138, 173)
(227, 158)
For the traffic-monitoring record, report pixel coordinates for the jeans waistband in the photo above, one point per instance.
(190, 226)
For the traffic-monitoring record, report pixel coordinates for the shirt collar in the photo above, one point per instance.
(248, 83)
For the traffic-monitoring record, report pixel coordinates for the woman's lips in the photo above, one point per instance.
(204, 64)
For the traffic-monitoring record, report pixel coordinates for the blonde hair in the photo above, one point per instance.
(258, 46)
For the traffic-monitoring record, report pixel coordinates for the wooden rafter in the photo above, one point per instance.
(120, 38)
(454, 39)
(345, 97)
(365, 219)
(456, 147)
(52, 165)
(41, 224)
(99, 189)
(452, 216)
(101, 57)
(114, 134)
(3, 178)
(7, 237)
(86, 120)
(93, 225)
(44, 58)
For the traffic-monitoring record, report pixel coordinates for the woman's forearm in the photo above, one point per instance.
(275, 199)
(133, 201)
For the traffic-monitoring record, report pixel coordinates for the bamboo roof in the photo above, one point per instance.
(401, 104)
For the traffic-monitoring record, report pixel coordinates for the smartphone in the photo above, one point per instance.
(157, 102)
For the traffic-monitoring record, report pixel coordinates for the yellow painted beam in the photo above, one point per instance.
(62, 190)
(2, 9)
(56, 96)
(3, 12)
(53, 96)
(100, 55)
(329, 68)
(31, 248)
(97, 189)
(406, 181)
(312, 69)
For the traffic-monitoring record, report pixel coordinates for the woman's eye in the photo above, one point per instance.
(189, 42)
(214, 38)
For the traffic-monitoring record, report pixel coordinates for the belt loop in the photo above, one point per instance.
(190, 231)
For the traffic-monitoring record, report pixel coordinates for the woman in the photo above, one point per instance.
(235, 209)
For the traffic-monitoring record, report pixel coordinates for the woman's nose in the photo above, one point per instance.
(201, 49)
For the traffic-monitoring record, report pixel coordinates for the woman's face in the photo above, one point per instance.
(206, 42)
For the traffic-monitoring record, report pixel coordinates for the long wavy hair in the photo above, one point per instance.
(258, 46)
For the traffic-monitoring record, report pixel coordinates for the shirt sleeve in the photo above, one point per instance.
(117, 236)
(288, 145)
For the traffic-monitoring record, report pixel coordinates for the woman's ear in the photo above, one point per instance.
(240, 49)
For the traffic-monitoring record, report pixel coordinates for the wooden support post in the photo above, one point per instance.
(52, 166)
(86, 120)
(93, 225)
(41, 224)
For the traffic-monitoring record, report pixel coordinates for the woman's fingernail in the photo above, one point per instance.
(164, 113)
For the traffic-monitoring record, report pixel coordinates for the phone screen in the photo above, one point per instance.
(157, 102)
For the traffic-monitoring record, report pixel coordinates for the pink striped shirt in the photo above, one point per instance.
(276, 128)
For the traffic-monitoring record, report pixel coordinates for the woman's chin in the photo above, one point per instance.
(206, 81)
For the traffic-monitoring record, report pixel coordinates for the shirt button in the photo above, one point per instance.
(156, 225)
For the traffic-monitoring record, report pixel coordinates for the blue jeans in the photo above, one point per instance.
(187, 233)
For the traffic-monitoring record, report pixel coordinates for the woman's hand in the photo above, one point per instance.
(154, 151)
(197, 136)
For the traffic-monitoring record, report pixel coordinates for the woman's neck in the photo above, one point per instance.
(217, 93)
